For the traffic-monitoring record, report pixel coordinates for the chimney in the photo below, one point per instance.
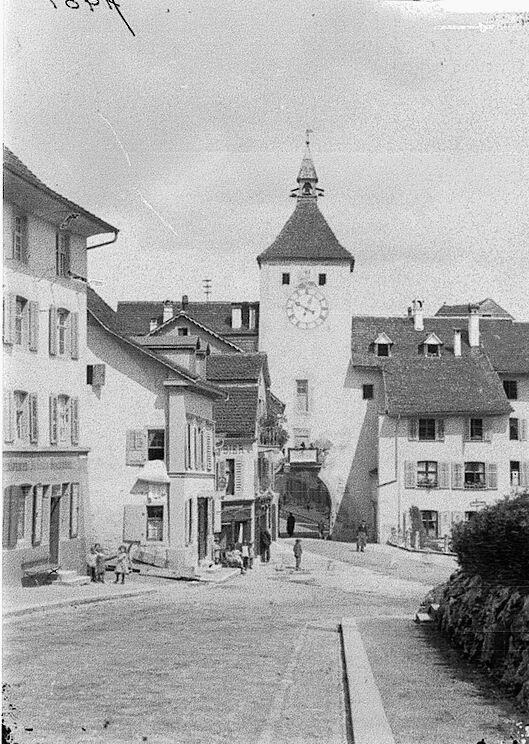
(201, 361)
(153, 324)
(418, 316)
(236, 317)
(185, 302)
(167, 311)
(473, 326)
(457, 342)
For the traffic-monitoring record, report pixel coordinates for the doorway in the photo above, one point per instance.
(202, 528)
(55, 524)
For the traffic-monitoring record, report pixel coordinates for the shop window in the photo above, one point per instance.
(155, 523)
(156, 444)
(474, 475)
(39, 492)
(230, 476)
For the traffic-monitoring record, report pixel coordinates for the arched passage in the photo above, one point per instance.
(306, 497)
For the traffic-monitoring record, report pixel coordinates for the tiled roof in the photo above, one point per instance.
(306, 236)
(13, 164)
(446, 385)
(486, 307)
(134, 317)
(237, 416)
(168, 341)
(232, 367)
(504, 342)
(106, 316)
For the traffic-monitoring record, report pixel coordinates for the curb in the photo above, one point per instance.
(366, 711)
(72, 602)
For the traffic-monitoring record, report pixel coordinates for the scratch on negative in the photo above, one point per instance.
(162, 219)
(117, 138)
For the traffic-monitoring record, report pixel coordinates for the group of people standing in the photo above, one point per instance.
(96, 563)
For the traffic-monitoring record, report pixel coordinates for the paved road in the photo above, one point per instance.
(256, 660)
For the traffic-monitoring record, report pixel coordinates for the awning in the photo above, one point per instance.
(152, 478)
(236, 514)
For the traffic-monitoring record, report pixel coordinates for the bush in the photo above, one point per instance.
(494, 543)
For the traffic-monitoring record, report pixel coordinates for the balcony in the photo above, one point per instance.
(271, 436)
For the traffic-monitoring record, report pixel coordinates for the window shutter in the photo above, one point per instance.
(444, 523)
(9, 416)
(238, 477)
(10, 301)
(457, 475)
(413, 428)
(209, 450)
(74, 335)
(440, 428)
(36, 533)
(10, 520)
(410, 474)
(53, 419)
(444, 475)
(33, 326)
(98, 375)
(33, 418)
(74, 413)
(25, 245)
(487, 429)
(523, 430)
(136, 452)
(525, 474)
(491, 475)
(53, 330)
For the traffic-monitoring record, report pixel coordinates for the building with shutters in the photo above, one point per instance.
(44, 341)
(151, 430)
(249, 442)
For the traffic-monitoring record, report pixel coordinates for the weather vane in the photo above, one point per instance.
(308, 132)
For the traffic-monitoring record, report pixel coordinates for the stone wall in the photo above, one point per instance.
(491, 626)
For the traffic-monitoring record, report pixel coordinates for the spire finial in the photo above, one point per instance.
(307, 178)
(308, 132)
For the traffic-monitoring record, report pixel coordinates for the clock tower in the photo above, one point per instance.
(305, 317)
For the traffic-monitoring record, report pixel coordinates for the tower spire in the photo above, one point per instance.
(307, 177)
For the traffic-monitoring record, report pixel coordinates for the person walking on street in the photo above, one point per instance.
(361, 540)
(91, 563)
(266, 541)
(291, 523)
(321, 530)
(298, 550)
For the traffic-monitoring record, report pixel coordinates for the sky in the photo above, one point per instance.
(188, 136)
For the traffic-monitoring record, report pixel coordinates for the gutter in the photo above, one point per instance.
(108, 242)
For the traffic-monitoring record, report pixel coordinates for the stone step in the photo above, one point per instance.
(72, 580)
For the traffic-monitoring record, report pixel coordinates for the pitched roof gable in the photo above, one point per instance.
(487, 308)
(306, 236)
(237, 367)
(236, 417)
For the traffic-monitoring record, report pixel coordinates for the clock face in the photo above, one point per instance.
(307, 307)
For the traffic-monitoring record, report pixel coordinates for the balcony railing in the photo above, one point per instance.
(270, 436)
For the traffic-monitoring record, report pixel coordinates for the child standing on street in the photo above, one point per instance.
(100, 563)
(122, 564)
(91, 563)
(298, 550)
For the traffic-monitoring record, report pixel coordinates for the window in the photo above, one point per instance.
(383, 350)
(302, 395)
(21, 416)
(513, 428)
(19, 237)
(63, 327)
(62, 254)
(155, 523)
(426, 429)
(285, 278)
(368, 392)
(430, 520)
(476, 429)
(64, 418)
(183, 331)
(511, 389)
(20, 320)
(156, 444)
(322, 279)
(515, 473)
(474, 475)
(230, 476)
(427, 474)
(23, 493)
(74, 510)
(432, 350)
(89, 374)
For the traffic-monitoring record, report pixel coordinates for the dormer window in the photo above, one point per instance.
(431, 347)
(383, 345)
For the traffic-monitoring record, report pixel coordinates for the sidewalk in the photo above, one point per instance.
(24, 600)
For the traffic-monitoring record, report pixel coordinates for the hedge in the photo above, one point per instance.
(494, 543)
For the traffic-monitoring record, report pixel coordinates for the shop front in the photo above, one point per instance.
(146, 521)
(44, 501)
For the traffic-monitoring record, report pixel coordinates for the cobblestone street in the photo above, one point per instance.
(254, 659)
